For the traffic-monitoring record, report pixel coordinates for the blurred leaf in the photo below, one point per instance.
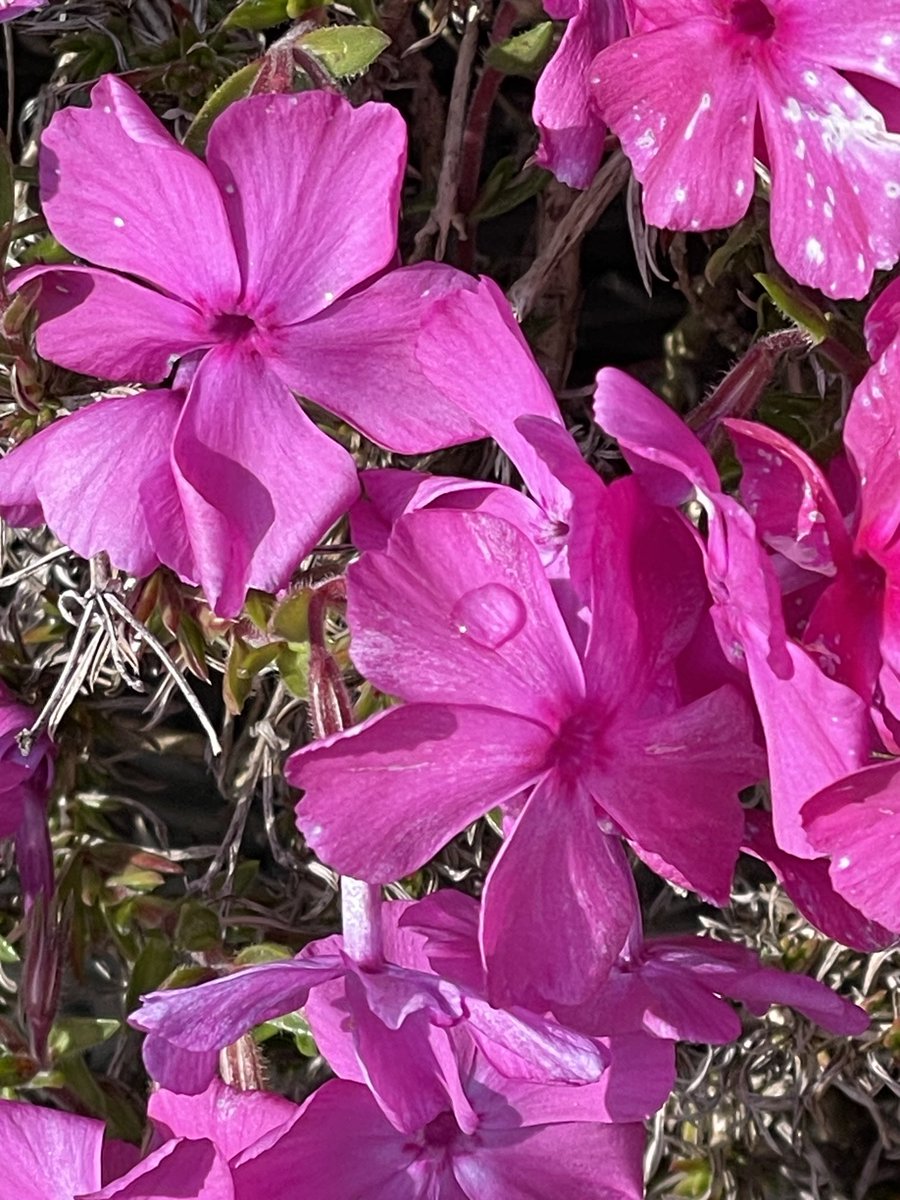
(796, 308)
(154, 963)
(136, 880)
(296, 8)
(244, 662)
(345, 50)
(8, 953)
(523, 54)
(740, 237)
(258, 607)
(198, 927)
(293, 666)
(193, 645)
(235, 87)
(262, 952)
(290, 619)
(16, 1069)
(505, 190)
(71, 1035)
(257, 14)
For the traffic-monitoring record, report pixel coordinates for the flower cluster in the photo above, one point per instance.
(655, 668)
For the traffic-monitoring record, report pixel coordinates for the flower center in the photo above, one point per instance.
(753, 18)
(232, 327)
(442, 1131)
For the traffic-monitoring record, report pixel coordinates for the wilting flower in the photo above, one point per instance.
(264, 271)
(505, 704)
(198, 1141)
(684, 95)
(24, 784)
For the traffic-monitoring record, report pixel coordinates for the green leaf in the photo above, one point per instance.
(16, 1069)
(296, 8)
(796, 308)
(293, 666)
(71, 1035)
(290, 620)
(345, 50)
(8, 953)
(257, 14)
(262, 952)
(198, 927)
(235, 87)
(501, 194)
(154, 963)
(524, 54)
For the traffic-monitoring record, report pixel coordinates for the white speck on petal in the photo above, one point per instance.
(843, 862)
(329, 296)
(119, 222)
(800, 149)
(861, 262)
(811, 78)
(814, 251)
(229, 188)
(792, 110)
(740, 187)
(680, 194)
(892, 189)
(704, 106)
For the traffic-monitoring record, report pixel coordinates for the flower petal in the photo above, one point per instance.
(358, 360)
(835, 177)
(312, 190)
(232, 1120)
(89, 475)
(107, 326)
(459, 610)
(176, 1171)
(688, 132)
(558, 904)
(236, 454)
(820, 31)
(48, 1155)
(428, 769)
(112, 178)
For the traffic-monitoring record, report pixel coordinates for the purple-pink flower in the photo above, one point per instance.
(705, 86)
(571, 717)
(264, 271)
(25, 782)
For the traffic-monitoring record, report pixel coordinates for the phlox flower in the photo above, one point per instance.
(399, 1023)
(703, 86)
(669, 988)
(526, 1141)
(25, 782)
(570, 717)
(264, 271)
(50, 1155)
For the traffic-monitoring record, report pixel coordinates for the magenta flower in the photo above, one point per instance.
(703, 86)
(403, 1021)
(525, 1141)
(50, 1155)
(817, 729)
(572, 135)
(25, 782)
(264, 270)
(505, 704)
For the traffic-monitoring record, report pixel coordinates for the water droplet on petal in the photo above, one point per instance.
(489, 615)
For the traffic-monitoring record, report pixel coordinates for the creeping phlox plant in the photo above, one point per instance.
(617, 672)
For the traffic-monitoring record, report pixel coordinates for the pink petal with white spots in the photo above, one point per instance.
(820, 31)
(835, 176)
(688, 133)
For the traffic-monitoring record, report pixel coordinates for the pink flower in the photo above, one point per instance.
(684, 95)
(572, 134)
(403, 1019)
(265, 271)
(817, 729)
(57, 1156)
(25, 782)
(524, 1141)
(506, 702)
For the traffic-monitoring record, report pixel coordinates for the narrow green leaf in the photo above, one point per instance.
(71, 1035)
(345, 50)
(796, 308)
(235, 87)
(257, 14)
(525, 53)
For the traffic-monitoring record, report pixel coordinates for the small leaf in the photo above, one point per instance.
(293, 666)
(345, 50)
(257, 14)
(235, 87)
(71, 1035)
(262, 952)
(258, 607)
(796, 308)
(290, 620)
(8, 953)
(502, 194)
(524, 54)
(153, 964)
(197, 928)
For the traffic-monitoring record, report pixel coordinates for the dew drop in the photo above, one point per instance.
(490, 615)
